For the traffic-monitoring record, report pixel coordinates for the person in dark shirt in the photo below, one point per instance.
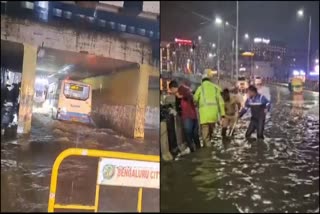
(259, 106)
(188, 114)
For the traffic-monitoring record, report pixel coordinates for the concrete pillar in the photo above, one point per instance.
(142, 100)
(27, 88)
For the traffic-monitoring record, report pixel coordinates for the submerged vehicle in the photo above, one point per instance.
(71, 101)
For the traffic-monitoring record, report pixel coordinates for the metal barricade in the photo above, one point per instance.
(104, 156)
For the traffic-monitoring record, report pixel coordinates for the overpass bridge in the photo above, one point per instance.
(109, 44)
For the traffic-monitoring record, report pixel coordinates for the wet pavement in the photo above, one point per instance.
(26, 165)
(280, 174)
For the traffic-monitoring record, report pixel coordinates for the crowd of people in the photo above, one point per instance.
(199, 112)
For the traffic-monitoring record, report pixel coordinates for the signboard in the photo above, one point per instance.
(76, 88)
(129, 173)
(183, 41)
(261, 40)
(247, 54)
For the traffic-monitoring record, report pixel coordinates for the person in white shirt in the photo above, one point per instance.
(262, 89)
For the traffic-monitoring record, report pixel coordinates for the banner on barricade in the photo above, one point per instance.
(129, 173)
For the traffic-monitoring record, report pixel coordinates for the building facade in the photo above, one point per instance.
(267, 50)
(189, 56)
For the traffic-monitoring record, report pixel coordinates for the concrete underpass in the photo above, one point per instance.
(115, 85)
(87, 57)
(122, 71)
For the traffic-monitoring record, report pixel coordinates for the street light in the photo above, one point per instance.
(210, 55)
(237, 45)
(246, 36)
(213, 45)
(300, 13)
(218, 21)
(232, 64)
(199, 38)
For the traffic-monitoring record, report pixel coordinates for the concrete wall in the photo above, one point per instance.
(152, 116)
(70, 39)
(116, 89)
(153, 97)
(115, 102)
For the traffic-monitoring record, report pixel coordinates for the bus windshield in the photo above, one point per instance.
(76, 91)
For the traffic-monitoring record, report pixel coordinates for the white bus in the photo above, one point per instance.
(70, 101)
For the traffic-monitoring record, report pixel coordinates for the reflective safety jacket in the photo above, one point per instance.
(210, 103)
(257, 104)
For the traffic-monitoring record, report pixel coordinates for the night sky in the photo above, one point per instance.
(269, 19)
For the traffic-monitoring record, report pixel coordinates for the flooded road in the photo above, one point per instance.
(280, 174)
(26, 165)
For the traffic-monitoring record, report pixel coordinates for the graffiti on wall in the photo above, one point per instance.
(119, 117)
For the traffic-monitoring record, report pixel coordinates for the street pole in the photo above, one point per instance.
(168, 60)
(309, 41)
(160, 60)
(194, 62)
(237, 35)
(232, 65)
(218, 55)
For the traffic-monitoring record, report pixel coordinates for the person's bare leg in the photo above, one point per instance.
(205, 131)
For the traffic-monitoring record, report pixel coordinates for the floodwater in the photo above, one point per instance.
(26, 165)
(280, 174)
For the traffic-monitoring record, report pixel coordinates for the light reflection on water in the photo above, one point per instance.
(280, 174)
(26, 167)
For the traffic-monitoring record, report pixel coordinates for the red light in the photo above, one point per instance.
(183, 41)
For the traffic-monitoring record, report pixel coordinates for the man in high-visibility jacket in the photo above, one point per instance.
(211, 107)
